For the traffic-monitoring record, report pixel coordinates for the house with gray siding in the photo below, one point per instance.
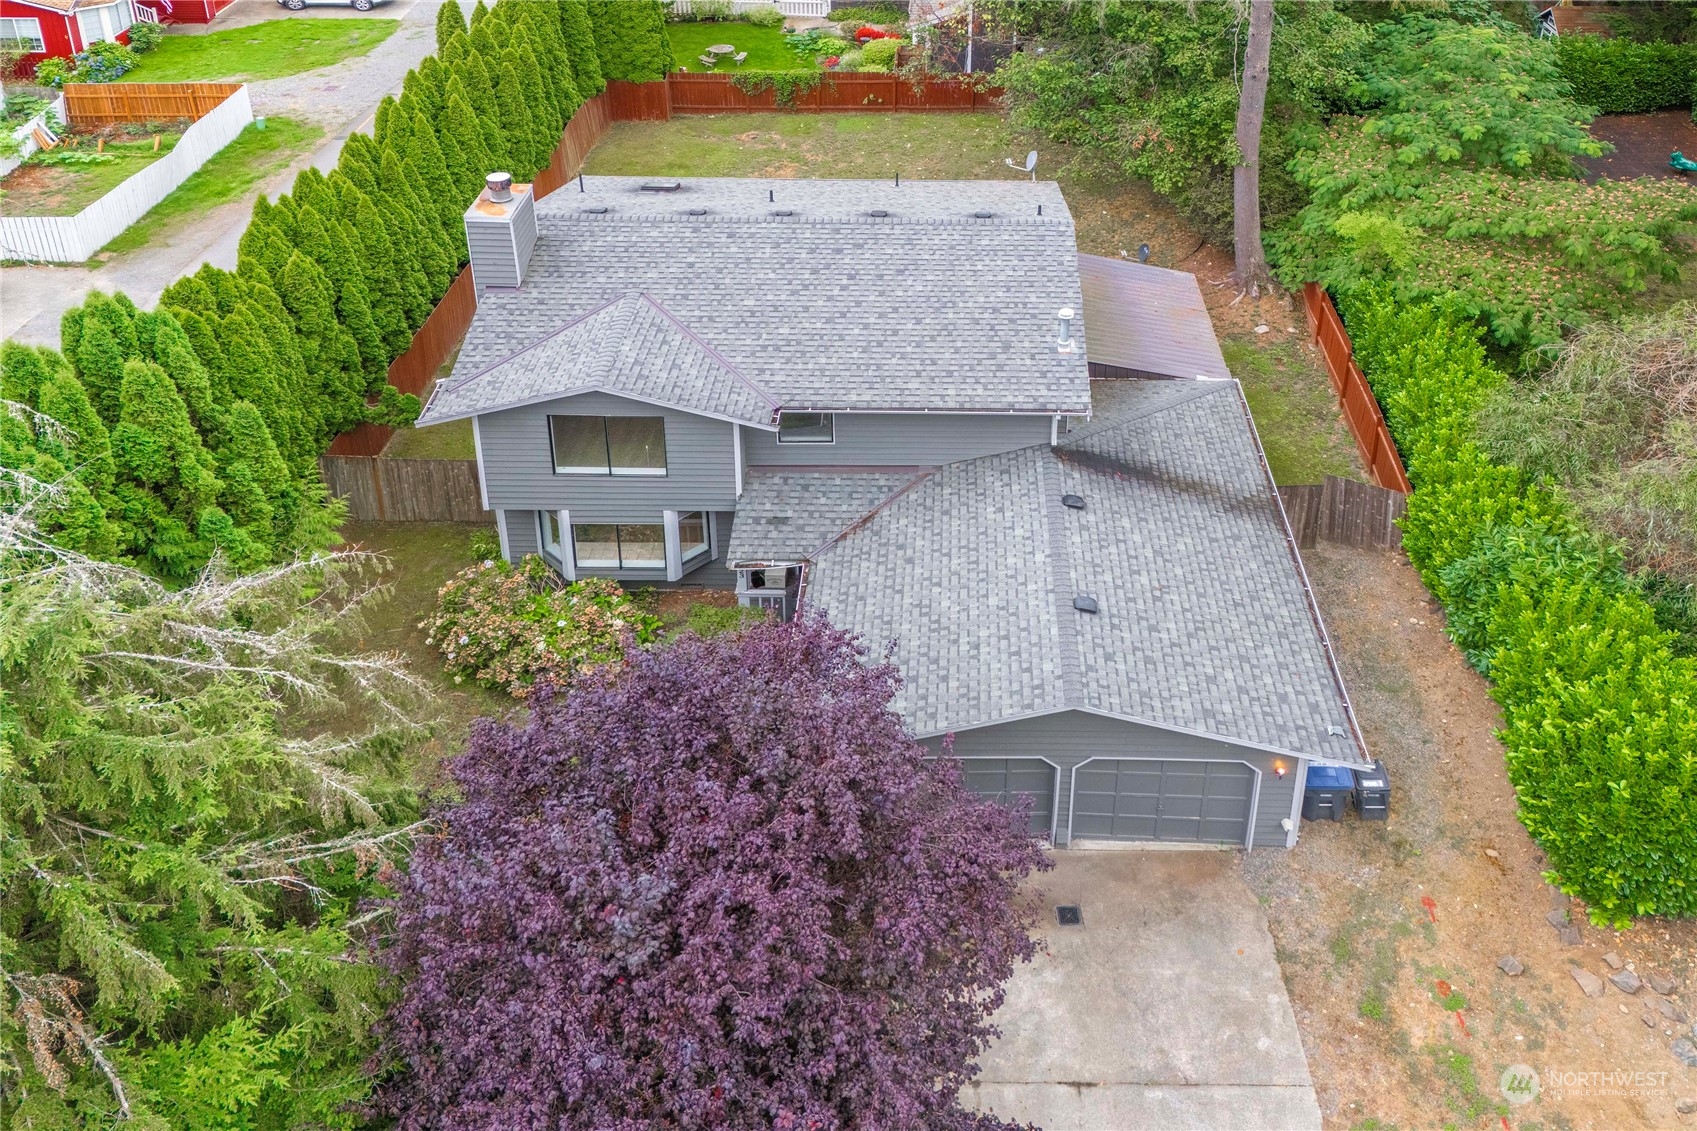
(879, 402)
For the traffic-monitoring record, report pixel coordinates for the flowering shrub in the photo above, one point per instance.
(506, 628)
(100, 62)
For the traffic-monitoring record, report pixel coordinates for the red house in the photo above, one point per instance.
(61, 28)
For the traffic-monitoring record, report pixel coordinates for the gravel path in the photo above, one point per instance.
(340, 98)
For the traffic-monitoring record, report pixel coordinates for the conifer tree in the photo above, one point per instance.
(579, 38)
(431, 87)
(72, 517)
(304, 406)
(630, 39)
(449, 22)
(377, 263)
(176, 356)
(423, 220)
(99, 362)
(86, 438)
(191, 293)
(541, 25)
(478, 77)
(155, 444)
(519, 125)
(259, 491)
(436, 175)
(22, 370)
(203, 337)
(467, 157)
(118, 312)
(332, 357)
(253, 378)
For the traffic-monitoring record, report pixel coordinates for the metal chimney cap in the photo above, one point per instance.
(500, 187)
(1065, 313)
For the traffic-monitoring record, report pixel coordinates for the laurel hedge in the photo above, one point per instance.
(1600, 716)
(1618, 76)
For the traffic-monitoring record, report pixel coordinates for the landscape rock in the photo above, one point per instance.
(1650, 1020)
(1686, 1106)
(1557, 918)
(1662, 984)
(1589, 982)
(1685, 1052)
(1626, 981)
(1569, 935)
(1671, 1011)
(1614, 960)
(1510, 965)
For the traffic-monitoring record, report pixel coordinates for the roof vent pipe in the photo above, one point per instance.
(500, 187)
(1065, 342)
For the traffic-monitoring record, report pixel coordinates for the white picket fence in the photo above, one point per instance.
(787, 7)
(73, 239)
(26, 135)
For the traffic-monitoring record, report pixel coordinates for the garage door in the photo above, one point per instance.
(1004, 779)
(1144, 799)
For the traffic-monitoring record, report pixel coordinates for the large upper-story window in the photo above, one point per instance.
(608, 445)
(807, 428)
(105, 22)
(21, 35)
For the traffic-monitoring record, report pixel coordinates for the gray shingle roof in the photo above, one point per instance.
(630, 345)
(1205, 624)
(788, 516)
(928, 307)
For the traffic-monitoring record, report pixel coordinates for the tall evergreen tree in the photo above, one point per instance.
(99, 362)
(202, 334)
(156, 446)
(579, 38)
(259, 491)
(479, 78)
(86, 437)
(176, 356)
(22, 370)
(449, 21)
(630, 39)
(423, 219)
(467, 157)
(524, 140)
(478, 11)
(431, 87)
(253, 378)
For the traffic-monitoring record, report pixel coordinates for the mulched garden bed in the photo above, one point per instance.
(1642, 143)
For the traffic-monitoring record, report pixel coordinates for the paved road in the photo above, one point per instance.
(341, 98)
(1165, 1009)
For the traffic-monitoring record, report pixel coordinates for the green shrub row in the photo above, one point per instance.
(195, 429)
(1618, 76)
(1600, 716)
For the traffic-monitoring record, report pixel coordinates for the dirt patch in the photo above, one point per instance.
(1642, 143)
(1389, 933)
(84, 167)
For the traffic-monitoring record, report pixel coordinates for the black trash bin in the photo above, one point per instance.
(1326, 793)
(1372, 794)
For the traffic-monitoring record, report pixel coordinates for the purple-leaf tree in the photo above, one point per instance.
(718, 886)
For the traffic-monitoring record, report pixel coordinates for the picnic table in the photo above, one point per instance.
(722, 49)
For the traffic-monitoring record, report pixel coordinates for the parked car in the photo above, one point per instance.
(356, 5)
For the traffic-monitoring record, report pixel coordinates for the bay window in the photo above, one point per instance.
(605, 545)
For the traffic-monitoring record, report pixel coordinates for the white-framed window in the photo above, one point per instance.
(608, 445)
(105, 22)
(807, 428)
(692, 535)
(619, 545)
(22, 35)
(552, 535)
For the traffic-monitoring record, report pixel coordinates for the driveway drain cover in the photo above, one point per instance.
(1069, 916)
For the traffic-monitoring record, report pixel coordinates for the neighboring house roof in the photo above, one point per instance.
(631, 346)
(63, 7)
(1205, 622)
(789, 516)
(828, 309)
(1144, 321)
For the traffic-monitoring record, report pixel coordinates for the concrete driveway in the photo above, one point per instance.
(1164, 1009)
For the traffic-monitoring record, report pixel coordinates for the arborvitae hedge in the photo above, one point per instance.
(263, 366)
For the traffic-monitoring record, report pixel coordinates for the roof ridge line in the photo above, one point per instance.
(1204, 387)
(707, 348)
(1061, 578)
(548, 337)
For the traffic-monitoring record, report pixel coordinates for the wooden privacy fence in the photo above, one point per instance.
(1342, 510)
(719, 94)
(105, 104)
(1360, 408)
(72, 239)
(588, 126)
(406, 490)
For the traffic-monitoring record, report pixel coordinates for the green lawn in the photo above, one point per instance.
(232, 172)
(41, 188)
(766, 48)
(262, 51)
(1294, 408)
(452, 440)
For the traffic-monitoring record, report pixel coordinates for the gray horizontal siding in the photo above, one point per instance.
(523, 535)
(870, 439)
(518, 464)
(494, 258)
(1071, 737)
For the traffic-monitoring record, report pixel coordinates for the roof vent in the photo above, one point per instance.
(698, 211)
(500, 187)
(783, 212)
(1065, 343)
(880, 213)
(597, 209)
(1076, 502)
(1335, 731)
(1085, 604)
(981, 214)
(662, 186)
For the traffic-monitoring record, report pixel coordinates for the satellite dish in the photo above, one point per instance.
(1031, 162)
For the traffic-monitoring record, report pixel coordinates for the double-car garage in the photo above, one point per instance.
(1205, 802)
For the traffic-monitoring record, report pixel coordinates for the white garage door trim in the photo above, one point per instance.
(1054, 792)
(1254, 793)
